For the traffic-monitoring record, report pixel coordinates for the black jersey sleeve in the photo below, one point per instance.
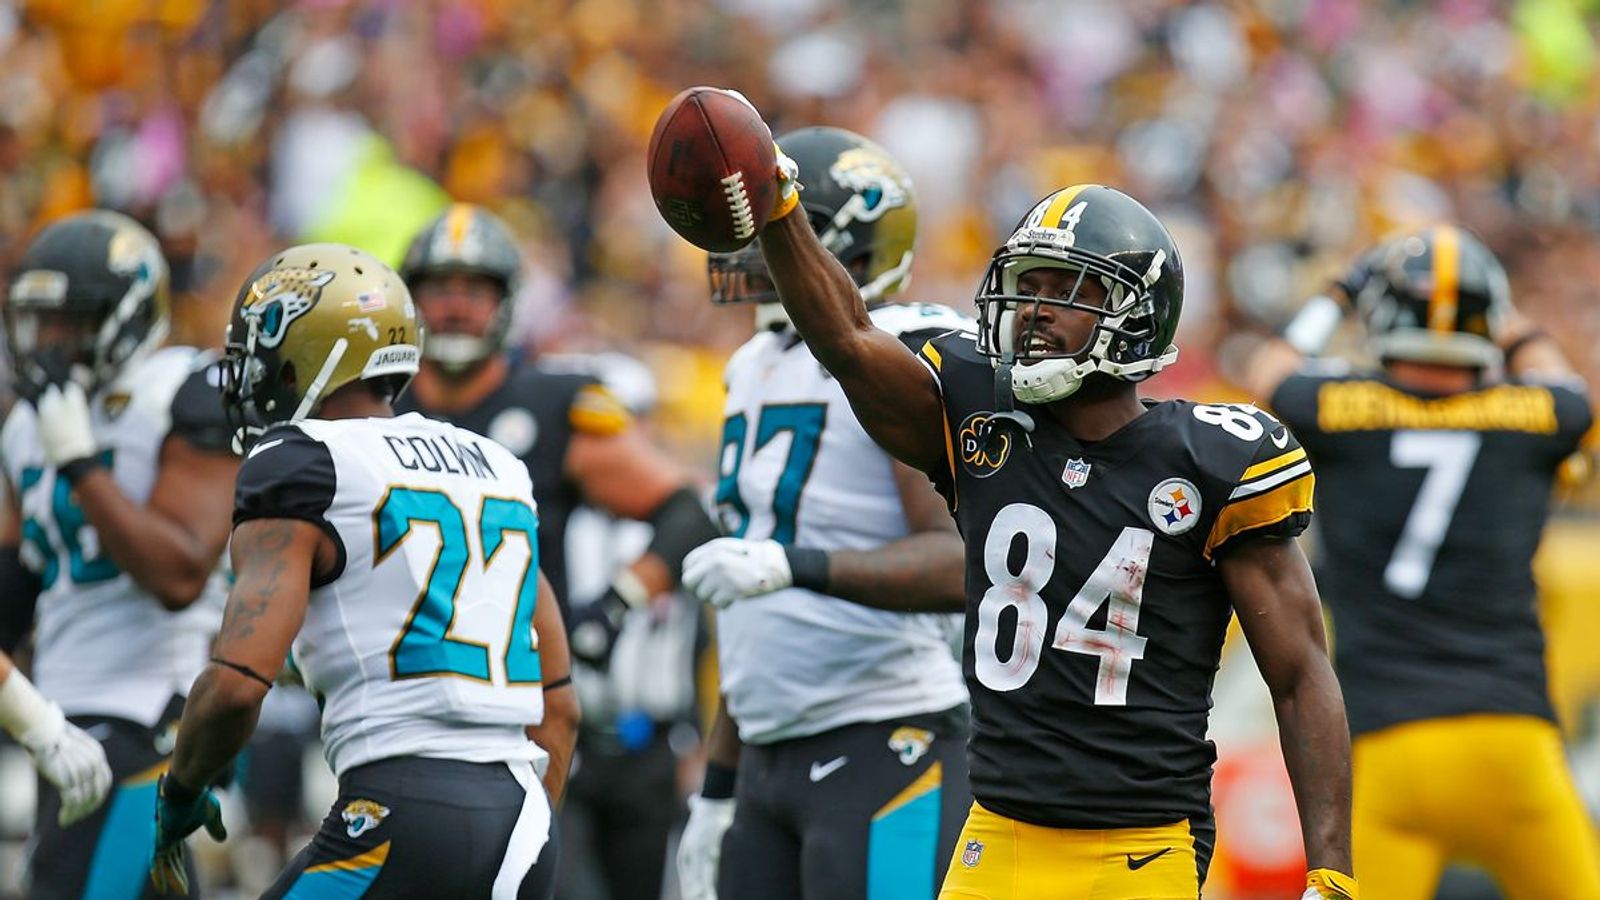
(1272, 496)
(1574, 414)
(289, 475)
(1295, 401)
(197, 413)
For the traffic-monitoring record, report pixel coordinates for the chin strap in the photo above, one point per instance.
(1005, 405)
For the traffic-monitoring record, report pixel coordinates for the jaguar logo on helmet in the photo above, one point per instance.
(279, 298)
(879, 185)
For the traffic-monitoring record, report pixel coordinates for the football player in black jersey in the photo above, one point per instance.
(118, 472)
(1436, 473)
(1108, 543)
(580, 445)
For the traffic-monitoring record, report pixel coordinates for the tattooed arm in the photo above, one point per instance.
(273, 560)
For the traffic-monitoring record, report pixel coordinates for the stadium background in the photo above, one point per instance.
(1276, 137)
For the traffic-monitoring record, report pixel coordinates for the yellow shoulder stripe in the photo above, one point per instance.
(597, 411)
(377, 856)
(1261, 510)
(1274, 464)
(933, 356)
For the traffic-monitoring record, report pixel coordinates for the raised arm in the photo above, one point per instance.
(1272, 590)
(894, 397)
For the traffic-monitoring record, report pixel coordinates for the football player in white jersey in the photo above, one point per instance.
(399, 557)
(852, 779)
(119, 475)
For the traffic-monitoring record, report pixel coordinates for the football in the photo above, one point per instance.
(712, 166)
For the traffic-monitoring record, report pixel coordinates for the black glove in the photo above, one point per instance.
(594, 629)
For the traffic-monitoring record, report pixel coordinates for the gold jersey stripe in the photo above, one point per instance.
(1261, 510)
(1059, 206)
(377, 856)
(926, 782)
(1274, 464)
(597, 411)
(932, 354)
(1446, 279)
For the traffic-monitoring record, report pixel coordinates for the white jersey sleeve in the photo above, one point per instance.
(421, 641)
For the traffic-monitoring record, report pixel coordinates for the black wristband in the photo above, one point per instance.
(76, 469)
(809, 567)
(718, 784)
(175, 793)
(1523, 341)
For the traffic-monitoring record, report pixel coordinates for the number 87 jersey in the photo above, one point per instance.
(421, 642)
(1095, 611)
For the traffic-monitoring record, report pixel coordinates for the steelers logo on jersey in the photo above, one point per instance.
(1175, 506)
(982, 451)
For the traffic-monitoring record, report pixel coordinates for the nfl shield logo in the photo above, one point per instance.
(972, 853)
(1076, 474)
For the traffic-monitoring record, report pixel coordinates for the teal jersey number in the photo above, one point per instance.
(70, 524)
(804, 422)
(425, 647)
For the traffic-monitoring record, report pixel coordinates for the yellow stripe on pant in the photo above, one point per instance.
(1490, 789)
(997, 858)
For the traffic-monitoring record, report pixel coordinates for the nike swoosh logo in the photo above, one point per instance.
(270, 444)
(820, 771)
(1142, 861)
(1281, 439)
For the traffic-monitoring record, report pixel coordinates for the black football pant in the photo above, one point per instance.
(862, 812)
(409, 827)
(108, 853)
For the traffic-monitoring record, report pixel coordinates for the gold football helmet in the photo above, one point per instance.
(309, 321)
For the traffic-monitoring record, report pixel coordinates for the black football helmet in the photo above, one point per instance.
(102, 272)
(466, 239)
(1096, 232)
(861, 205)
(1435, 296)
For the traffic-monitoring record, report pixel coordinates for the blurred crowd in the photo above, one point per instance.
(1277, 137)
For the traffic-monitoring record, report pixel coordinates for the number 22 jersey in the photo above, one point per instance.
(1095, 612)
(421, 642)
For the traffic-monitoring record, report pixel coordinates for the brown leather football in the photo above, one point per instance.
(713, 169)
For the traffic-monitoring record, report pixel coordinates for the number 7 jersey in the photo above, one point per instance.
(1432, 510)
(421, 642)
(1095, 612)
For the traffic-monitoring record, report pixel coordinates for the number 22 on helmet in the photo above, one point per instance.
(309, 321)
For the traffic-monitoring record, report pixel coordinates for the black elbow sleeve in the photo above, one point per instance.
(19, 594)
(681, 524)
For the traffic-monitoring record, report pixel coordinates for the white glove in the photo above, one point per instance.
(67, 757)
(65, 428)
(700, 848)
(727, 569)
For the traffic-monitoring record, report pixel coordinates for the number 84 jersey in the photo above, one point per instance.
(1095, 612)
